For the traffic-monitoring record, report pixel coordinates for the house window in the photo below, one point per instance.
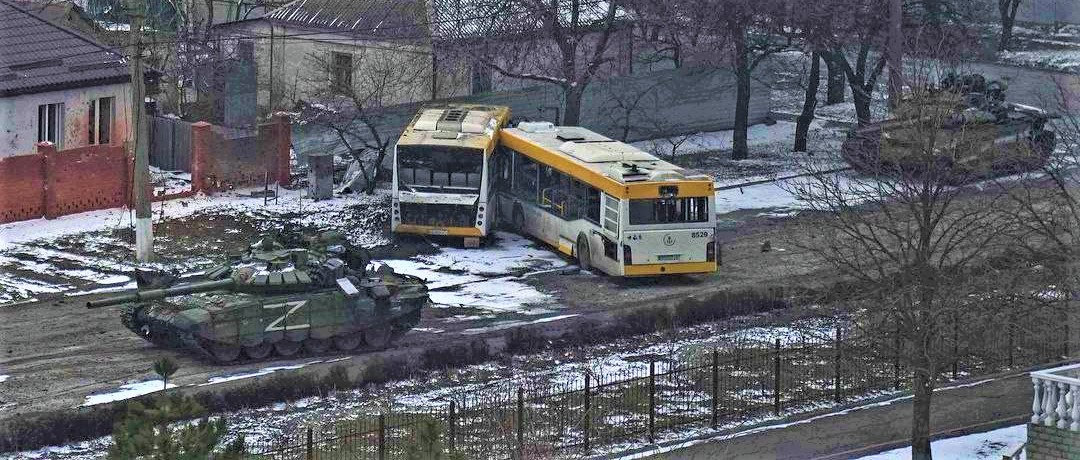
(341, 72)
(51, 124)
(101, 120)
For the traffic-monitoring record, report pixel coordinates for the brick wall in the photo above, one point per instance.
(54, 183)
(1052, 443)
(223, 159)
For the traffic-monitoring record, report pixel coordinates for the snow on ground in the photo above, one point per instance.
(3, 378)
(126, 391)
(478, 278)
(978, 446)
(759, 134)
(1065, 60)
(239, 375)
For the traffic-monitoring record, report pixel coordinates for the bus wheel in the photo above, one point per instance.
(519, 220)
(584, 257)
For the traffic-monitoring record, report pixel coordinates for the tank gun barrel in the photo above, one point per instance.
(158, 294)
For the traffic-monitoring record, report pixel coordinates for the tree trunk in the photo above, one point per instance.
(836, 82)
(862, 103)
(1007, 8)
(923, 388)
(802, 127)
(572, 109)
(739, 148)
(896, 51)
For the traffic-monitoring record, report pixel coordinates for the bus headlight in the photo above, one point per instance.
(710, 251)
(627, 255)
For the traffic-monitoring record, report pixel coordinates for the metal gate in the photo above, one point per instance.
(170, 144)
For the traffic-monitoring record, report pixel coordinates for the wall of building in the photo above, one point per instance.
(297, 69)
(18, 117)
(1052, 443)
(222, 160)
(1049, 11)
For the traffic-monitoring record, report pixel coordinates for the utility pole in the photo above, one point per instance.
(144, 232)
(896, 52)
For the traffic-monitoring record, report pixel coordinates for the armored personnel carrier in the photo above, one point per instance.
(963, 129)
(276, 300)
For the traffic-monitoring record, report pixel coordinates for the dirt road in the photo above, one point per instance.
(57, 352)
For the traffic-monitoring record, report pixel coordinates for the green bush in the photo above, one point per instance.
(524, 340)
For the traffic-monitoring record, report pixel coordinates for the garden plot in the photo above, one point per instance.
(564, 368)
(92, 252)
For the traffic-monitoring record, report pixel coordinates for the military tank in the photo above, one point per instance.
(275, 300)
(968, 126)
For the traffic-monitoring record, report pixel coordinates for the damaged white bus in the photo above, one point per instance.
(441, 180)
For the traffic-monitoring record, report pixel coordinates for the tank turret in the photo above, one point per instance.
(276, 300)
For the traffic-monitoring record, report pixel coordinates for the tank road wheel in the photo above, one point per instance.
(286, 347)
(224, 353)
(378, 338)
(316, 346)
(347, 342)
(259, 351)
(584, 257)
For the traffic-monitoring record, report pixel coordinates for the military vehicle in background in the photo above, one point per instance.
(967, 126)
(276, 300)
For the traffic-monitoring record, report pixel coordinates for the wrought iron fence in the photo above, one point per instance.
(718, 388)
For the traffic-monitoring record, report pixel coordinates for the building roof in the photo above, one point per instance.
(392, 19)
(38, 56)
(464, 19)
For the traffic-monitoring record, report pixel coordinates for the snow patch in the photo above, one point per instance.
(127, 391)
(264, 371)
(977, 446)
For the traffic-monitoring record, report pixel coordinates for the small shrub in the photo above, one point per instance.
(523, 340)
(380, 369)
(337, 378)
(645, 320)
(456, 355)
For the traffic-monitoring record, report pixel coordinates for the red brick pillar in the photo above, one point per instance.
(200, 153)
(48, 158)
(282, 143)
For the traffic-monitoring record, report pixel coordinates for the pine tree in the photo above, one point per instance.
(145, 432)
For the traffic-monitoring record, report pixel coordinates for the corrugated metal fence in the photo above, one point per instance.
(170, 144)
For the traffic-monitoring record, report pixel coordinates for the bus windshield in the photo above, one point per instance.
(434, 168)
(669, 210)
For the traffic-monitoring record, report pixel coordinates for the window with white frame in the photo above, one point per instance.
(100, 122)
(51, 124)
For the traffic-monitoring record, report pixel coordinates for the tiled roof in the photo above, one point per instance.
(37, 56)
(395, 19)
(463, 19)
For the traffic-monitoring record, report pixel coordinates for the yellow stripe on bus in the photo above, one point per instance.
(669, 269)
(432, 230)
(561, 162)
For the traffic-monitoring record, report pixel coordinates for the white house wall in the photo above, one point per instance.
(18, 117)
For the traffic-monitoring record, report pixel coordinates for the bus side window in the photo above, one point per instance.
(592, 204)
(525, 172)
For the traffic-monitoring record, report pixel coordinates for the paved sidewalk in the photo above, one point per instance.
(978, 406)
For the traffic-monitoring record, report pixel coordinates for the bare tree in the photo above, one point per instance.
(351, 97)
(913, 239)
(1007, 12)
(566, 43)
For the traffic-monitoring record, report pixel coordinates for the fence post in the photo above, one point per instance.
(955, 345)
(1012, 330)
(453, 425)
(1065, 342)
(520, 423)
(776, 377)
(837, 380)
(382, 436)
(715, 387)
(896, 357)
(585, 432)
(652, 401)
(310, 444)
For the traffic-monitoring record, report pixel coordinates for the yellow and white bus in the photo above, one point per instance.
(612, 206)
(442, 163)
